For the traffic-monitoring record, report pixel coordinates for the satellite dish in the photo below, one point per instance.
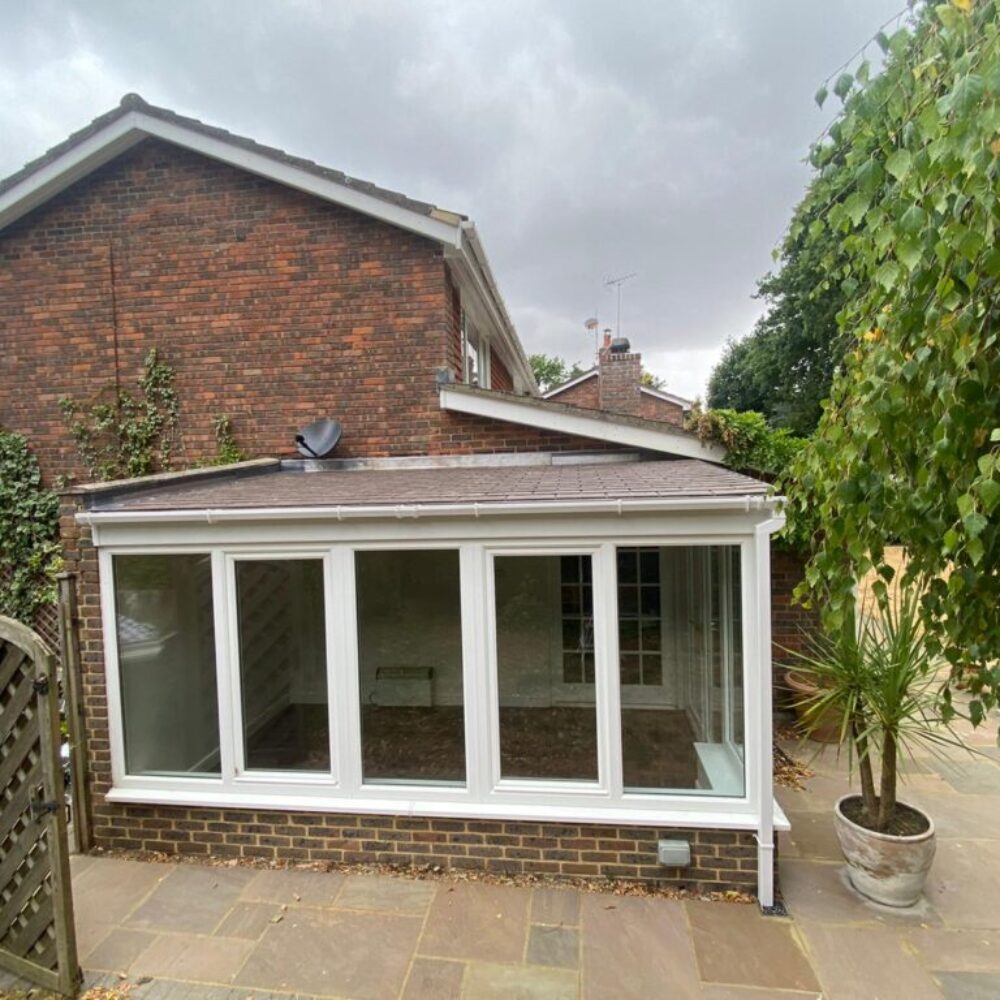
(318, 439)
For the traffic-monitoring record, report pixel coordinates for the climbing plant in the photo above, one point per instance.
(227, 450)
(907, 177)
(121, 434)
(751, 445)
(29, 528)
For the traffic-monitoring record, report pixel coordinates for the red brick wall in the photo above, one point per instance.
(790, 622)
(273, 307)
(654, 408)
(585, 394)
(500, 377)
(619, 382)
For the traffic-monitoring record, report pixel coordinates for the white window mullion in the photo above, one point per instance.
(116, 715)
(342, 667)
(475, 672)
(231, 743)
(607, 674)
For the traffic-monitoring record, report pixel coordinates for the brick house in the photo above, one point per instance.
(615, 384)
(493, 630)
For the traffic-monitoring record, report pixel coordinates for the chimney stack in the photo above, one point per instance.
(619, 377)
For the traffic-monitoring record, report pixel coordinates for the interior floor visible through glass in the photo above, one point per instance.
(659, 743)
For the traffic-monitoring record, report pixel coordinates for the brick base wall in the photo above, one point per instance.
(720, 859)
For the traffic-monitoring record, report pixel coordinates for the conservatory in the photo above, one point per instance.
(580, 642)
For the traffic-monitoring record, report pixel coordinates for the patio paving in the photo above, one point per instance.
(206, 933)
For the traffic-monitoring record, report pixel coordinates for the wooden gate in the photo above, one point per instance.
(37, 937)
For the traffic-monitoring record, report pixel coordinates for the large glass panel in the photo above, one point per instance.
(545, 667)
(410, 666)
(166, 661)
(681, 669)
(282, 633)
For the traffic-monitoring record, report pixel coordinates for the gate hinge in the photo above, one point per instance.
(39, 809)
(40, 685)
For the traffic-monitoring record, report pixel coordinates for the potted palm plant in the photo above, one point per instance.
(881, 683)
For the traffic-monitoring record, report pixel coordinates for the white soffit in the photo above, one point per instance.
(578, 423)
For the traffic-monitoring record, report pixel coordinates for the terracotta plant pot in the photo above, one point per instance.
(886, 868)
(825, 728)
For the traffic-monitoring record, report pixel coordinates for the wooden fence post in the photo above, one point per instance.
(69, 641)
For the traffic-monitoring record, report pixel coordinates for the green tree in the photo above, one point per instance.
(550, 371)
(907, 179)
(784, 368)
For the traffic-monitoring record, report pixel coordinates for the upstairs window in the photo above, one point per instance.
(474, 355)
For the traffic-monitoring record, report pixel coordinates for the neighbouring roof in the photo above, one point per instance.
(668, 397)
(308, 485)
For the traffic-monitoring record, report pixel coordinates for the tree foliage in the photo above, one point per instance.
(784, 368)
(751, 445)
(29, 529)
(550, 370)
(904, 209)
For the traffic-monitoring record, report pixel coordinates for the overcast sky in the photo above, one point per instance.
(586, 139)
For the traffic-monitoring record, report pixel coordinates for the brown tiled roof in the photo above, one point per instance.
(133, 102)
(288, 487)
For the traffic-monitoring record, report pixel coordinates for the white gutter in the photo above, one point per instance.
(345, 512)
(765, 789)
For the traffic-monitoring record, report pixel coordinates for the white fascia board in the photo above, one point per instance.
(668, 397)
(552, 393)
(745, 503)
(578, 424)
(478, 271)
(134, 126)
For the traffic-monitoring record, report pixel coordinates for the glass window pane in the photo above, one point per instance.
(166, 660)
(682, 693)
(627, 566)
(649, 562)
(572, 668)
(410, 666)
(628, 600)
(282, 635)
(547, 730)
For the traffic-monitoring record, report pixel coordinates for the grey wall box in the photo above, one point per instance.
(674, 853)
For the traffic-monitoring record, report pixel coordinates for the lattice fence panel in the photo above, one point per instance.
(33, 868)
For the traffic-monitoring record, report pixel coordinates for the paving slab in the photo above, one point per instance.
(714, 992)
(856, 962)
(964, 884)
(364, 956)
(812, 836)
(948, 950)
(249, 920)
(510, 982)
(476, 921)
(970, 985)
(975, 777)
(191, 898)
(555, 946)
(820, 891)
(385, 893)
(108, 889)
(290, 886)
(735, 945)
(118, 950)
(555, 906)
(192, 957)
(636, 948)
(434, 979)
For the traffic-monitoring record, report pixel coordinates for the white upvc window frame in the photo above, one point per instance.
(485, 794)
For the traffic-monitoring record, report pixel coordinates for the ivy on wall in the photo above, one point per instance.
(121, 434)
(29, 530)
